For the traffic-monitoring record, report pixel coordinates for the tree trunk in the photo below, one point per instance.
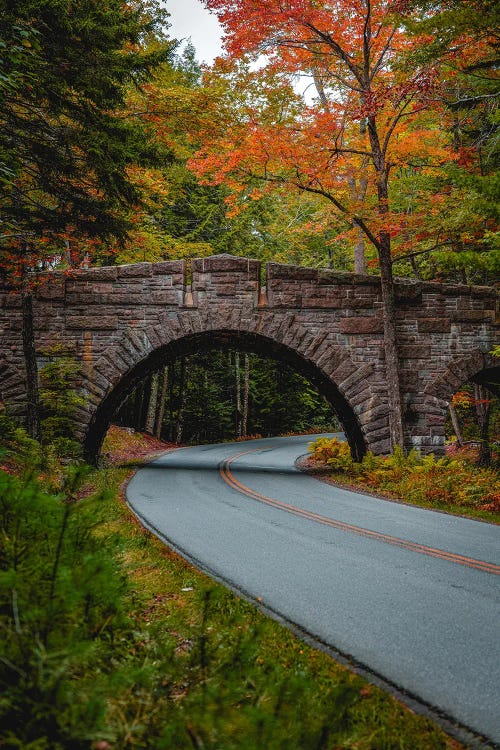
(141, 404)
(360, 255)
(33, 401)
(161, 403)
(415, 268)
(318, 83)
(146, 392)
(171, 402)
(388, 296)
(358, 194)
(138, 398)
(390, 344)
(179, 425)
(152, 405)
(246, 388)
(483, 409)
(456, 426)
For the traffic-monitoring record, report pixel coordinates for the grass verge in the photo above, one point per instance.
(224, 675)
(453, 484)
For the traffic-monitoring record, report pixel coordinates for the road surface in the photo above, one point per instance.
(409, 594)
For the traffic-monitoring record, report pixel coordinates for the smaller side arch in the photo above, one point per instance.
(478, 367)
(12, 389)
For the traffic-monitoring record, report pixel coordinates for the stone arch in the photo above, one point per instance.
(478, 366)
(12, 389)
(344, 383)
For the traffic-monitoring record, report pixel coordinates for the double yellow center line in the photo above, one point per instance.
(469, 562)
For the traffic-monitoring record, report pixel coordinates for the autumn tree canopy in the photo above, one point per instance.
(367, 121)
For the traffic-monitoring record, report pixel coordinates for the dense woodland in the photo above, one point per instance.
(214, 396)
(354, 135)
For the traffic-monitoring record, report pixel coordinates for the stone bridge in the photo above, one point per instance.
(123, 322)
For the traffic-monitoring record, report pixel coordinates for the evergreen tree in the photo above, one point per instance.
(63, 134)
(65, 144)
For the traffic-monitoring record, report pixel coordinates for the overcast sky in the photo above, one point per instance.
(189, 18)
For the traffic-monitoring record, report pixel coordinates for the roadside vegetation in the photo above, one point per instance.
(453, 483)
(110, 640)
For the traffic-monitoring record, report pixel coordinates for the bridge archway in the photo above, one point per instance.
(478, 367)
(12, 389)
(328, 369)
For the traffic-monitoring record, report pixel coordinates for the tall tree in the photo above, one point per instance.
(246, 395)
(65, 144)
(461, 36)
(377, 119)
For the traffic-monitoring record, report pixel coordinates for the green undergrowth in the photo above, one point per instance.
(110, 640)
(451, 483)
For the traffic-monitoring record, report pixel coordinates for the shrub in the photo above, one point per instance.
(59, 401)
(335, 453)
(61, 602)
(440, 482)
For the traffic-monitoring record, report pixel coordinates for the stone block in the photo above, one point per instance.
(378, 424)
(330, 277)
(93, 322)
(143, 270)
(51, 288)
(11, 300)
(280, 271)
(473, 316)
(381, 433)
(434, 419)
(331, 359)
(168, 267)
(282, 299)
(226, 263)
(415, 351)
(325, 302)
(361, 401)
(358, 303)
(314, 344)
(408, 292)
(81, 275)
(380, 447)
(167, 297)
(361, 373)
(361, 325)
(486, 292)
(345, 369)
(434, 325)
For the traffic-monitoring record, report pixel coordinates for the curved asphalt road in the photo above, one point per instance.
(410, 594)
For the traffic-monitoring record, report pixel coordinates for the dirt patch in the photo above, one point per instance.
(123, 444)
